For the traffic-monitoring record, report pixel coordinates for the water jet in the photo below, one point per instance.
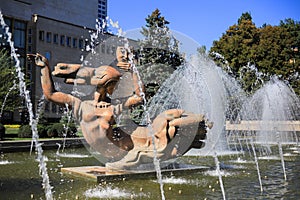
(198, 86)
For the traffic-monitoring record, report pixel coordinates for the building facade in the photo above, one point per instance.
(102, 9)
(58, 29)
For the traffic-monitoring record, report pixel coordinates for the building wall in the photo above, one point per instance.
(79, 12)
(48, 34)
(102, 9)
(69, 18)
(46, 22)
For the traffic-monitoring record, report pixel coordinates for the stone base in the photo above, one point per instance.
(102, 174)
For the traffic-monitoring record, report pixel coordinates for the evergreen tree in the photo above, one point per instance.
(158, 56)
(159, 53)
(159, 46)
(202, 50)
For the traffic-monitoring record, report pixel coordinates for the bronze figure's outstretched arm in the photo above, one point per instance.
(47, 83)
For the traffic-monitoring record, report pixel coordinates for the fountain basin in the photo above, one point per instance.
(19, 178)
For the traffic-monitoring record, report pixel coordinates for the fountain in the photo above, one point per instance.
(231, 154)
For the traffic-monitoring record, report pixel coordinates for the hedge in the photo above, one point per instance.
(44, 131)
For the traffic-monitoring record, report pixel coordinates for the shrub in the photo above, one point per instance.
(58, 130)
(55, 130)
(25, 131)
(42, 130)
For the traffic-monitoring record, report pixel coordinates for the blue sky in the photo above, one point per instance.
(202, 20)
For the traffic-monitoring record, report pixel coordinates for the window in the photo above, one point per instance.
(48, 55)
(48, 37)
(47, 106)
(29, 40)
(53, 108)
(61, 109)
(113, 50)
(86, 44)
(108, 50)
(29, 75)
(55, 38)
(29, 66)
(101, 2)
(19, 30)
(74, 43)
(62, 40)
(103, 48)
(3, 40)
(101, 16)
(29, 49)
(80, 44)
(19, 34)
(41, 35)
(69, 41)
(22, 61)
(8, 22)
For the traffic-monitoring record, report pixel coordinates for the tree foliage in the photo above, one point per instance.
(159, 56)
(159, 53)
(8, 83)
(159, 46)
(273, 50)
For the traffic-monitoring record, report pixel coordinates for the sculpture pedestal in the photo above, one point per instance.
(102, 174)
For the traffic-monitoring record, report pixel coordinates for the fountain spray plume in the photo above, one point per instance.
(37, 117)
(197, 86)
(109, 26)
(33, 123)
(156, 161)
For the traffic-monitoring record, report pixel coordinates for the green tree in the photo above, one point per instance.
(202, 50)
(236, 44)
(8, 92)
(159, 46)
(159, 56)
(272, 50)
(291, 53)
(159, 53)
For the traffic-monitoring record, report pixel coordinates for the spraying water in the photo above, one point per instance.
(219, 174)
(197, 87)
(38, 113)
(142, 94)
(257, 165)
(6, 96)
(95, 58)
(24, 92)
(275, 107)
(68, 114)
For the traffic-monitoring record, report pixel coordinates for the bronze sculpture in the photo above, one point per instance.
(171, 134)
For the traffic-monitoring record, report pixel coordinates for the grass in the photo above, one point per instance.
(11, 131)
(11, 134)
